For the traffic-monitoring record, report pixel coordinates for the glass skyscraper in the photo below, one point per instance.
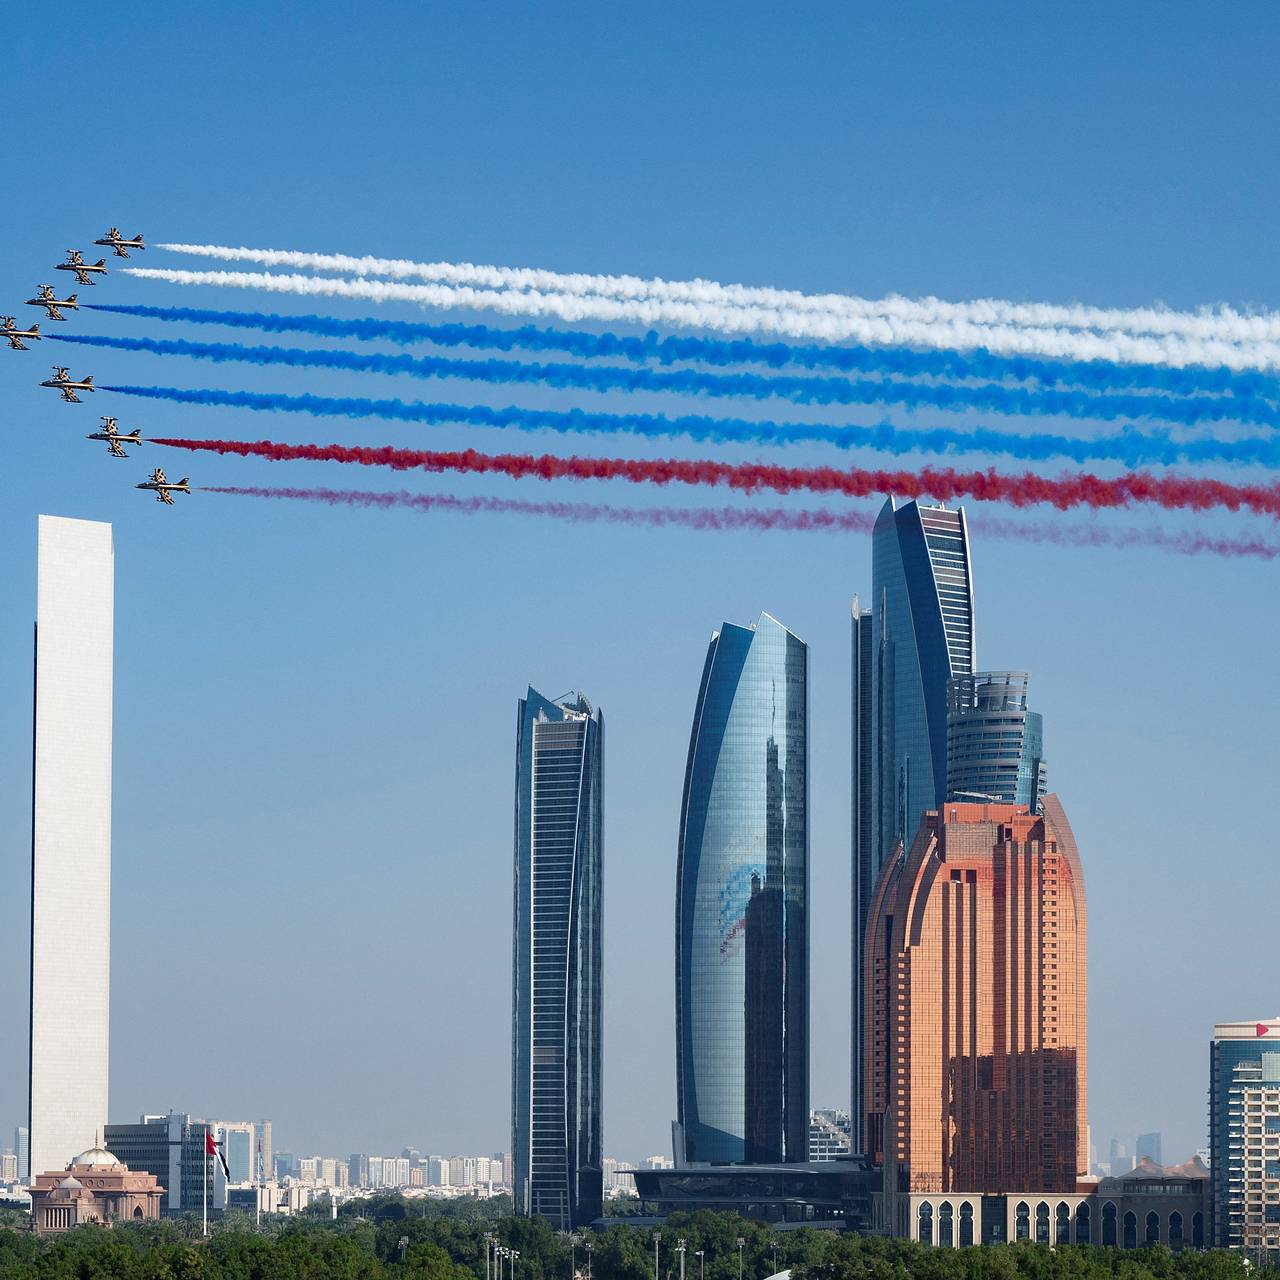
(995, 746)
(556, 1000)
(742, 933)
(1244, 1135)
(917, 635)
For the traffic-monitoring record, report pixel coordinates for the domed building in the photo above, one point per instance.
(94, 1188)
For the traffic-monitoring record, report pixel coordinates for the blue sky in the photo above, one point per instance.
(315, 709)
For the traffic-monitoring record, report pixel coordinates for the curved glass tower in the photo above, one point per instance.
(922, 634)
(556, 997)
(742, 941)
(995, 746)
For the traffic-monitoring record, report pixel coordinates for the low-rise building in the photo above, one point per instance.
(94, 1188)
(1150, 1204)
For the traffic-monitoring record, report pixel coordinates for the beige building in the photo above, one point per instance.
(94, 1188)
(1151, 1204)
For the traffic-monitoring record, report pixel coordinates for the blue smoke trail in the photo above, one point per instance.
(1097, 375)
(803, 390)
(1132, 448)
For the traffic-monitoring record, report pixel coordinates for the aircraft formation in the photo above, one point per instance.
(62, 381)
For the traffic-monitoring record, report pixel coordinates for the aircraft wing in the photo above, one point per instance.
(70, 396)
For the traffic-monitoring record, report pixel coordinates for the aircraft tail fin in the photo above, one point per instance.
(101, 262)
(71, 300)
(88, 379)
(35, 328)
(184, 483)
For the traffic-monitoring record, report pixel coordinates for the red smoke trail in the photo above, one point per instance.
(761, 519)
(1083, 489)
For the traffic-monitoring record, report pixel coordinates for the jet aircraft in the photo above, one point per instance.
(116, 241)
(75, 262)
(9, 329)
(114, 440)
(164, 489)
(51, 302)
(62, 380)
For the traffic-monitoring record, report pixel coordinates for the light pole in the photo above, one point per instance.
(680, 1248)
(774, 1247)
(657, 1237)
(488, 1249)
(741, 1243)
(702, 1264)
(573, 1264)
(590, 1248)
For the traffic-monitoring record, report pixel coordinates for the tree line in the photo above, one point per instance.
(388, 1238)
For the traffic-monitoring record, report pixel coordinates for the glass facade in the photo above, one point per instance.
(1244, 1162)
(916, 636)
(995, 746)
(742, 942)
(922, 632)
(556, 1001)
(865, 863)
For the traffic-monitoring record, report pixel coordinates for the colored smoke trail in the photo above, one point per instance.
(810, 390)
(945, 483)
(1070, 344)
(1222, 323)
(1131, 448)
(1097, 375)
(724, 519)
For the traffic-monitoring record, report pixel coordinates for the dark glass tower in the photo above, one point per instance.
(556, 997)
(922, 631)
(995, 746)
(918, 635)
(742, 940)
(865, 863)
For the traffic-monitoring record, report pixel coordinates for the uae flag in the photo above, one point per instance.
(211, 1148)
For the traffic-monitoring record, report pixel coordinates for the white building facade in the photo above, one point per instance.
(71, 840)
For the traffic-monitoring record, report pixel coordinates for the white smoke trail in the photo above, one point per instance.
(1220, 323)
(1005, 339)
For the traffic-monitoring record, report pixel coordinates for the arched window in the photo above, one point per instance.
(1063, 1233)
(1022, 1223)
(1109, 1223)
(1176, 1240)
(1197, 1230)
(1082, 1222)
(925, 1233)
(1042, 1223)
(946, 1237)
(1153, 1227)
(1129, 1239)
(137, 1211)
(966, 1225)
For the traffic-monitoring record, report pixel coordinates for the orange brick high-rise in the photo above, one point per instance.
(976, 1062)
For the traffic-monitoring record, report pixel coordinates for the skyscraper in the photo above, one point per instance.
(865, 862)
(922, 636)
(976, 1064)
(71, 840)
(742, 880)
(22, 1149)
(556, 1000)
(995, 746)
(917, 635)
(1149, 1148)
(1244, 1134)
